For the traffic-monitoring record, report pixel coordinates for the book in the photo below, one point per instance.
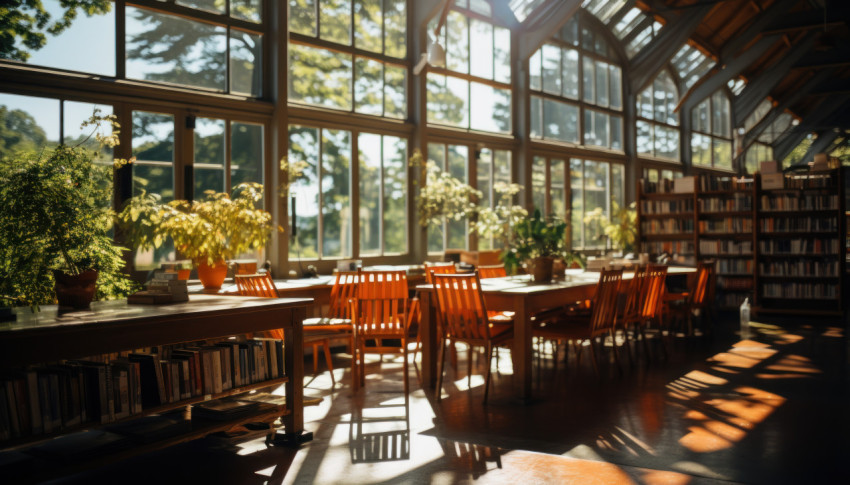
(223, 409)
(34, 401)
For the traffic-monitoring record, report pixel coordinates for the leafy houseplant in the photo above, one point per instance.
(620, 229)
(539, 241)
(54, 226)
(208, 231)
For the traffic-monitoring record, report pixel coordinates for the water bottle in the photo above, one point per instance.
(745, 319)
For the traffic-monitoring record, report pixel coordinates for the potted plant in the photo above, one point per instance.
(209, 231)
(539, 242)
(54, 226)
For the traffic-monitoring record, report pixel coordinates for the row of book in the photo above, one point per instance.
(736, 266)
(800, 246)
(667, 226)
(738, 202)
(802, 267)
(720, 248)
(50, 398)
(663, 186)
(666, 206)
(725, 183)
(812, 181)
(734, 284)
(812, 291)
(799, 224)
(727, 225)
(669, 247)
(787, 202)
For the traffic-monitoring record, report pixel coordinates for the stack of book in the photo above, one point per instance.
(165, 287)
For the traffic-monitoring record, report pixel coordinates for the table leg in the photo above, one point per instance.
(293, 341)
(427, 327)
(522, 350)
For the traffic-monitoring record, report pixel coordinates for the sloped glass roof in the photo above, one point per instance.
(761, 110)
(523, 8)
(691, 64)
(603, 9)
(736, 85)
(777, 128)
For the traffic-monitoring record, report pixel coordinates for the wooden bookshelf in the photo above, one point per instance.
(114, 327)
(666, 222)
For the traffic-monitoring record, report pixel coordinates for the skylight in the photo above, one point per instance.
(691, 64)
(523, 8)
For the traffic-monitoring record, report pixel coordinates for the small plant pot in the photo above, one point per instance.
(184, 274)
(542, 269)
(75, 291)
(212, 276)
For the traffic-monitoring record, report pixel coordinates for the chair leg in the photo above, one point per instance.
(326, 343)
(614, 349)
(470, 354)
(315, 358)
(406, 370)
(593, 356)
(489, 366)
(441, 362)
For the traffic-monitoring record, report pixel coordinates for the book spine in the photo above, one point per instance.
(34, 402)
(216, 371)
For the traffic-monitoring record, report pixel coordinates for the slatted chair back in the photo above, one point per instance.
(381, 304)
(633, 290)
(702, 292)
(492, 271)
(461, 307)
(652, 292)
(343, 290)
(604, 306)
(437, 268)
(260, 284)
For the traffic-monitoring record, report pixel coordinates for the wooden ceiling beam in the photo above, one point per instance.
(658, 52)
(764, 82)
(815, 121)
(830, 58)
(807, 20)
(760, 21)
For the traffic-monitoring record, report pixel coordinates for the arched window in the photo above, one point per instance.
(657, 124)
(576, 85)
(711, 140)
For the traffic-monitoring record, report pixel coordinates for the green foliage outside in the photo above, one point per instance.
(620, 229)
(52, 217)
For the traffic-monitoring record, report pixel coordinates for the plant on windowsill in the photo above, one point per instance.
(54, 225)
(209, 231)
(539, 242)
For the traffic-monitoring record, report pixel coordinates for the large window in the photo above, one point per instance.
(227, 153)
(473, 91)
(383, 194)
(349, 55)
(453, 159)
(657, 124)
(549, 188)
(711, 140)
(577, 93)
(493, 168)
(757, 153)
(594, 185)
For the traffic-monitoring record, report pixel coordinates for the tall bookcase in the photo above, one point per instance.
(800, 253)
(784, 248)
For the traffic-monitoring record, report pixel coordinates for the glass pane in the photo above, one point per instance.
(569, 32)
(644, 103)
(336, 196)
(600, 129)
(32, 123)
(558, 189)
(618, 182)
(395, 92)
(586, 39)
(481, 6)
(368, 19)
(535, 70)
(722, 153)
(644, 138)
(395, 195)
(246, 61)
(457, 102)
(437, 154)
(490, 108)
(536, 108)
(153, 147)
(551, 69)
(304, 147)
(481, 36)
(368, 83)
(209, 156)
(457, 50)
(302, 17)
(369, 214)
(395, 28)
(502, 54)
(700, 149)
(246, 153)
(538, 184)
(596, 197)
(485, 186)
(667, 144)
(215, 6)
(616, 126)
(601, 84)
(700, 117)
(616, 87)
(569, 73)
(588, 80)
(62, 51)
(458, 161)
(73, 115)
(335, 21)
(560, 121)
(320, 77)
(251, 10)
(576, 202)
(437, 99)
(174, 50)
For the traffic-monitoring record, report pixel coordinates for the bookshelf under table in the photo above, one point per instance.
(115, 326)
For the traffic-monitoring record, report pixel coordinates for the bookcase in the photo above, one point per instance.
(800, 254)
(104, 416)
(784, 248)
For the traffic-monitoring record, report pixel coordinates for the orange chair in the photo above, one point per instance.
(338, 318)
(492, 271)
(378, 315)
(464, 318)
(437, 268)
(415, 313)
(697, 301)
(648, 304)
(263, 286)
(599, 322)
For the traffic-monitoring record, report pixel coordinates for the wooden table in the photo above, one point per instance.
(523, 297)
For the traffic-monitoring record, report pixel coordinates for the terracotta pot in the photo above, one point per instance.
(212, 276)
(542, 269)
(184, 274)
(75, 291)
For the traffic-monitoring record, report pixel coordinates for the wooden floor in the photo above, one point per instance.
(774, 409)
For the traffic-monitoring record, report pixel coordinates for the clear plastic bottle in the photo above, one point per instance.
(745, 319)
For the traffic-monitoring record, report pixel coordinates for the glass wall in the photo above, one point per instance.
(711, 140)
(658, 121)
(453, 159)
